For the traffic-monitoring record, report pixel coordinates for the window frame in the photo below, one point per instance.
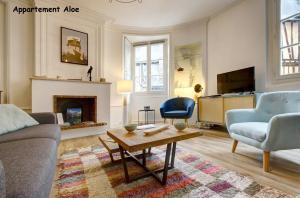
(165, 66)
(274, 46)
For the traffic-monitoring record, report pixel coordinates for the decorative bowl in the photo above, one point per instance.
(130, 127)
(180, 126)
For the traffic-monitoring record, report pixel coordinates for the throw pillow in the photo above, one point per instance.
(13, 118)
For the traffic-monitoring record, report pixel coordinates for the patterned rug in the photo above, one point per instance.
(87, 172)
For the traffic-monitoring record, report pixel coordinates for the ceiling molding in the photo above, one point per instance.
(154, 30)
(89, 11)
(114, 19)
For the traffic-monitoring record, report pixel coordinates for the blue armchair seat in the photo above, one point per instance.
(177, 108)
(252, 130)
(176, 114)
(273, 125)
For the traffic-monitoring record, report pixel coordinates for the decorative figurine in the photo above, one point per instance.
(89, 73)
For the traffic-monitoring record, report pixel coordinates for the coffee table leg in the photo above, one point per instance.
(173, 154)
(111, 157)
(124, 164)
(144, 157)
(167, 161)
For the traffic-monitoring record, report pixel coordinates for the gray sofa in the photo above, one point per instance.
(28, 159)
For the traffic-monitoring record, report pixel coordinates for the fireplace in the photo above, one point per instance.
(76, 109)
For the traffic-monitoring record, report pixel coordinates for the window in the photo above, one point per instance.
(289, 37)
(150, 67)
(141, 69)
(157, 67)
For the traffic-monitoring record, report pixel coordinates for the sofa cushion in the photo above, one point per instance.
(175, 114)
(252, 130)
(13, 118)
(40, 131)
(2, 182)
(29, 167)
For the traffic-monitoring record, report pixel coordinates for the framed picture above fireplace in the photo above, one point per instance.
(74, 46)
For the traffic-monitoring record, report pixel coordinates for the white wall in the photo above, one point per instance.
(2, 20)
(237, 39)
(185, 35)
(48, 46)
(19, 53)
(113, 71)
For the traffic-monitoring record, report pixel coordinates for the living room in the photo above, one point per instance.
(149, 98)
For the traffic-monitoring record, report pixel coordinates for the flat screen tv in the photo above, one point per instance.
(238, 81)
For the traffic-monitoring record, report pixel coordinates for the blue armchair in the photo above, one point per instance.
(273, 125)
(177, 108)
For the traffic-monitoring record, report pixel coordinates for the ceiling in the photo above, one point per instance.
(155, 13)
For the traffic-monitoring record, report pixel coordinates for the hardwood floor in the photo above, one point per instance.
(216, 146)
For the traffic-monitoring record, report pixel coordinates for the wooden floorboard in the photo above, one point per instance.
(216, 146)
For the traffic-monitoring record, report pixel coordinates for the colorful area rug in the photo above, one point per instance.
(87, 172)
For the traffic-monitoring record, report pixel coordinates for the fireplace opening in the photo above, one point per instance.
(76, 110)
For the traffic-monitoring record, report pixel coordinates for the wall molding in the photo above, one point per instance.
(9, 56)
(8, 47)
(85, 17)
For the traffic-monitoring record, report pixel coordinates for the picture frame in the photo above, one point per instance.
(74, 46)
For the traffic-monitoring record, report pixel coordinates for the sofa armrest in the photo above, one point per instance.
(283, 132)
(240, 115)
(45, 118)
(2, 182)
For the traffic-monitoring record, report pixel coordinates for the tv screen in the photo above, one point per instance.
(236, 81)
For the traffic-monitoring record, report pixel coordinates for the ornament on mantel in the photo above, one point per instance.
(89, 73)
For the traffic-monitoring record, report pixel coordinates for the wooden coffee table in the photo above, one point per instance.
(137, 141)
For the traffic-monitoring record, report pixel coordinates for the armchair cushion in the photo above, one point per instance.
(252, 130)
(176, 114)
(179, 108)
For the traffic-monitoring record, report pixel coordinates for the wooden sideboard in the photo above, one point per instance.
(212, 109)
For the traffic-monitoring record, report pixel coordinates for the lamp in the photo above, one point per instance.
(125, 87)
(184, 92)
